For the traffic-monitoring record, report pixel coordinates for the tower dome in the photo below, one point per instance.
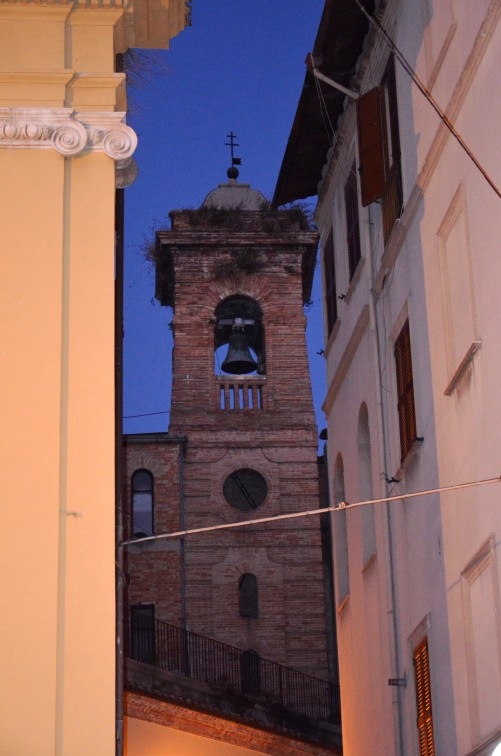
(233, 194)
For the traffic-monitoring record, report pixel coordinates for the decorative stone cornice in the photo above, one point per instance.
(109, 133)
(68, 132)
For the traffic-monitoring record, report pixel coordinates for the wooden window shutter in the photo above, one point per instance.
(405, 390)
(372, 144)
(330, 283)
(423, 699)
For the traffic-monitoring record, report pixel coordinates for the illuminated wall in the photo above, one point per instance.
(64, 147)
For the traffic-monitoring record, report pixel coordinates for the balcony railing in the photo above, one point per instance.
(240, 393)
(230, 669)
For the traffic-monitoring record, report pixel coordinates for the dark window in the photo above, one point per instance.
(142, 504)
(247, 596)
(405, 390)
(330, 283)
(245, 489)
(379, 148)
(250, 673)
(423, 699)
(352, 222)
(142, 631)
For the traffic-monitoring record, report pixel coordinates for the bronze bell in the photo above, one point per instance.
(239, 360)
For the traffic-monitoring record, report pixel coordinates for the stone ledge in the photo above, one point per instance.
(175, 701)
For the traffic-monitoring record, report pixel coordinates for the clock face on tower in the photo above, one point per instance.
(245, 489)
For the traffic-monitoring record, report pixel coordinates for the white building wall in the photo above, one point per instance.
(436, 570)
(461, 263)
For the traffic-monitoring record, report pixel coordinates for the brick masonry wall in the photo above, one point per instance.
(279, 441)
(153, 569)
(209, 725)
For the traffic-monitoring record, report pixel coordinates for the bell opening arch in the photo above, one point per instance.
(239, 346)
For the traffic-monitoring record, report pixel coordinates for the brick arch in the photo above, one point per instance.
(143, 460)
(245, 286)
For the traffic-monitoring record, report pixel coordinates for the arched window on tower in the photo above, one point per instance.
(239, 353)
(142, 504)
(247, 596)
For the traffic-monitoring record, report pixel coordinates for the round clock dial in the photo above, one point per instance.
(245, 489)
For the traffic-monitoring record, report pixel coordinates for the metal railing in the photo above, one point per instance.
(230, 669)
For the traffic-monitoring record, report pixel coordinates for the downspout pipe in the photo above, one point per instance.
(182, 526)
(119, 554)
(385, 490)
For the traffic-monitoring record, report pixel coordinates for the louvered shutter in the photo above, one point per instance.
(372, 144)
(423, 700)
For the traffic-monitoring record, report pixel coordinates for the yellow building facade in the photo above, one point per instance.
(64, 148)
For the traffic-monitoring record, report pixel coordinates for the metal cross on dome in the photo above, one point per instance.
(232, 144)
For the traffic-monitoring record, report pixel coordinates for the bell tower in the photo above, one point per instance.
(237, 274)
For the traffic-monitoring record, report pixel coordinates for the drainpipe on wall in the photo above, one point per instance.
(385, 491)
(119, 565)
(182, 451)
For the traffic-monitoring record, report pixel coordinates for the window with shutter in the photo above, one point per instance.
(372, 148)
(423, 699)
(392, 196)
(352, 221)
(379, 149)
(330, 283)
(405, 390)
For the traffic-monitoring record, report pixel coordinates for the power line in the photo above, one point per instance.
(308, 513)
(146, 414)
(425, 91)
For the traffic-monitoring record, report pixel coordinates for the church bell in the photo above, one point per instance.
(239, 360)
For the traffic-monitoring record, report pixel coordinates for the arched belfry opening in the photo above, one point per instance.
(239, 347)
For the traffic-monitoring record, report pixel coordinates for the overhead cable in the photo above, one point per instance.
(308, 513)
(425, 91)
(146, 414)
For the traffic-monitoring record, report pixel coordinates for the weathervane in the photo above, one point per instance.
(232, 172)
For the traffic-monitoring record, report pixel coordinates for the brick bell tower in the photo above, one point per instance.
(237, 275)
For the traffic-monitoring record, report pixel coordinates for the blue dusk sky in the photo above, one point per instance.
(239, 67)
